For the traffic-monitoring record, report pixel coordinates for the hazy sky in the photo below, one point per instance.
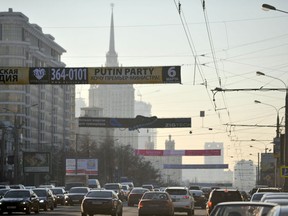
(229, 42)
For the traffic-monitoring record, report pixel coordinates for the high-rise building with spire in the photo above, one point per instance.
(116, 100)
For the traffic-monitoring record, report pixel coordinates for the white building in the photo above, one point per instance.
(244, 175)
(117, 101)
(146, 136)
(44, 114)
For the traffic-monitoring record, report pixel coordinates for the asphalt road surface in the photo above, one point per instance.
(75, 211)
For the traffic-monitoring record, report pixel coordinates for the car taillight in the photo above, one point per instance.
(140, 205)
(210, 204)
(185, 197)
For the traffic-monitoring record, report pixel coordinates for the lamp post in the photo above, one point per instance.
(285, 149)
(268, 7)
(277, 119)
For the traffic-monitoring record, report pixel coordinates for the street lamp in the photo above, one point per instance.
(268, 7)
(285, 147)
(277, 119)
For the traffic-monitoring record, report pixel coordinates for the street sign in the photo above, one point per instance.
(284, 171)
(135, 123)
(85, 75)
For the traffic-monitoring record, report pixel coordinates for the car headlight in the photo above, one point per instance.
(41, 201)
(23, 203)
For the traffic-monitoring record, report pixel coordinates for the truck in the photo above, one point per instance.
(75, 181)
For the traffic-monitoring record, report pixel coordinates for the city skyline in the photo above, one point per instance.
(229, 42)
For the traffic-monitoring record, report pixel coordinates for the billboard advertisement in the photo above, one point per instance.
(153, 152)
(82, 166)
(36, 162)
(85, 75)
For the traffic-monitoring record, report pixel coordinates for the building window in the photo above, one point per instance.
(12, 32)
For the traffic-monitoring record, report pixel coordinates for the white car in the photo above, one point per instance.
(182, 199)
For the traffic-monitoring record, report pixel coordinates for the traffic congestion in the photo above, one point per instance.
(146, 199)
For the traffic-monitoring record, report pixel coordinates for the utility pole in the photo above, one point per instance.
(285, 187)
(17, 170)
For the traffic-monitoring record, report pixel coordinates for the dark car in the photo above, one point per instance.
(117, 187)
(156, 203)
(135, 195)
(148, 186)
(45, 198)
(242, 208)
(19, 200)
(101, 202)
(76, 195)
(3, 191)
(194, 187)
(200, 198)
(61, 195)
(222, 195)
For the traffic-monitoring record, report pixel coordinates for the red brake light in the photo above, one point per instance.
(210, 204)
(185, 197)
(140, 205)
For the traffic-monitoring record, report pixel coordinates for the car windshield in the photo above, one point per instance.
(104, 194)
(78, 190)
(176, 191)
(239, 210)
(17, 194)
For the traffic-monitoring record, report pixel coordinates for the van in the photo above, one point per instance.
(93, 183)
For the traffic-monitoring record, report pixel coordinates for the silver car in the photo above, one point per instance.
(182, 199)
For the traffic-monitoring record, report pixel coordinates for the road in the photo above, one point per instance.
(75, 211)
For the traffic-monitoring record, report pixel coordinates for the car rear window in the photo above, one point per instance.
(225, 196)
(176, 191)
(105, 194)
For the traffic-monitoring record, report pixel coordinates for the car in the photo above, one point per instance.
(45, 198)
(241, 208)
(183, 200)
(278, 210)
(76, 195)
(3, 191)
(268, 189)
(156, 203)
(61, 195)
(200, 198)
(17, 186)
(46, 186)
(268, 196)
(148, 186)
(117, 187)
(277, 201)
(101, 201)
(135, 195)
(19, 200)
(126, 191)
(93, 183)
(207, 191)
(222, 195)
(130, 184)
(194, 187)
(256, 197)
(4, 187)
